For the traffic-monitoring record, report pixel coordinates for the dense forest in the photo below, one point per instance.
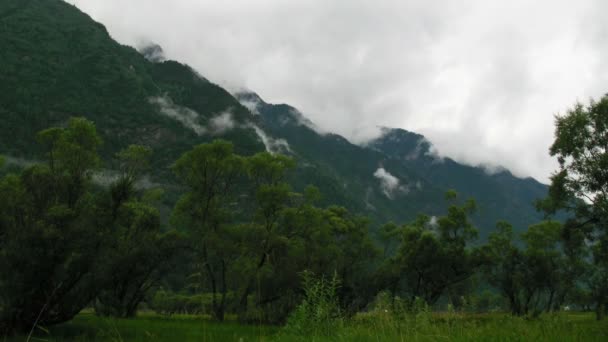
(240, 241)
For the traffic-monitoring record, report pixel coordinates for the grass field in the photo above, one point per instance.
(364, 327)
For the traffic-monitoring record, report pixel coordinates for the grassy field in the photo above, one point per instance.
(364, 327)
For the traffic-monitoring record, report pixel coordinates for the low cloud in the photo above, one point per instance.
(218, 124)
(152, 52)
(20, 162)
(222, 123)
(433, 223)
(186, 116)
(389, 184)
(107, 177)
(251, 104)
(272, 145)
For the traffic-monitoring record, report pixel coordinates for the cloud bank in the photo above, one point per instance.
(480, 79)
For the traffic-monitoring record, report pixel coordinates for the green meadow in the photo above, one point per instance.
(363, 327)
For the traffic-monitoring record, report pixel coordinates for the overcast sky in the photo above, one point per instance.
(481, 79)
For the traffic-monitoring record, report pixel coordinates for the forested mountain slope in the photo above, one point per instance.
(56, 62)
(397, 175)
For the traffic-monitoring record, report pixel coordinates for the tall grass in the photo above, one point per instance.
(378, 325)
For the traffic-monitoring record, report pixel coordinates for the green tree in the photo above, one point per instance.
(270, 195)
(580, 185)
(504, 267)
(49, 236)
(542, 276)
(547, 266)
(211, 173)
(433, 255)
(138, 251)
(325, 241)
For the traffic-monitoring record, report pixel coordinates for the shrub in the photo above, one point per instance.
(319, 313)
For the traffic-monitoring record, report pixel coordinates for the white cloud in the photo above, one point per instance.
(186, 116)
(272, 145)
(222, 123)
(389, 184)
(251, 104)
(218, 124)
(433, 222)
(480, 79)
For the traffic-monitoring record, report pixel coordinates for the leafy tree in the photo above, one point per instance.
(540, 277)
(325, 241)
(580, 186)
(503, 266)
(597, 278)
(211, 173)
(49, 236)
(138, 252)
(547, 266)
(270, 195)
(389, 236)
(433, 256)
(353, 259)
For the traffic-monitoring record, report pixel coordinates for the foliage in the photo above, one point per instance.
(433, 255)
(245, 224)
(65, 242)
(580, 186)
(211, 173)
(540, 277)
(251, 234)
(47, 222)
(140, 252)
(319, 313)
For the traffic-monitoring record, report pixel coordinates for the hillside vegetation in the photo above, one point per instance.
(58, 63)
(131, 185)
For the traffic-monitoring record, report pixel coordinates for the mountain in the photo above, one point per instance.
(396, 176)
(500, 195)
(57, 63)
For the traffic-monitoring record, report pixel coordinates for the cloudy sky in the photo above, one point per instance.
(481, 79)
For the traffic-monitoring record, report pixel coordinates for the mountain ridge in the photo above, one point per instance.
(59, 63)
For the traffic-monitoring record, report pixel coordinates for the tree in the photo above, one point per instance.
(270, 195)
(211, 173)
(138, 251)
(325, 241)
(433, 255)
(504, 267)
(580, 185)
(540, 277)
(548, 267)
(49, 238)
